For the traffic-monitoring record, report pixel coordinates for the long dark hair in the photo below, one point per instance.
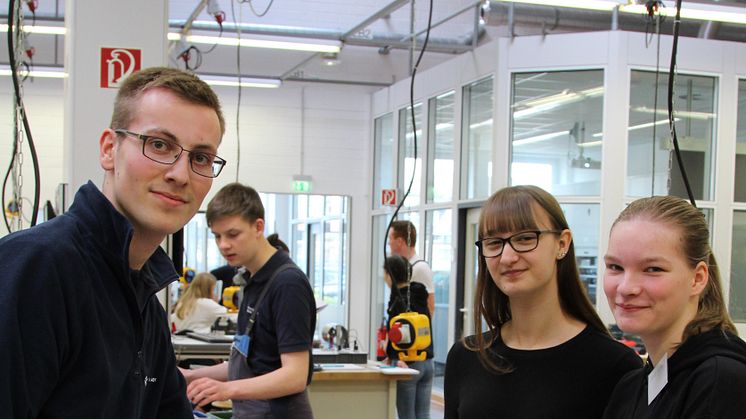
(400, 272)
(515, 209)
(694, 238)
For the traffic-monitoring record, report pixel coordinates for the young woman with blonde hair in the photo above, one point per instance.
(663, 283)
(196, 309)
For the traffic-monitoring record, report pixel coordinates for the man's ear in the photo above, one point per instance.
(107, 144)
(259, 225)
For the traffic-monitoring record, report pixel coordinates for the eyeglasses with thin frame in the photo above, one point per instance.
(525, 241)
(168, 152)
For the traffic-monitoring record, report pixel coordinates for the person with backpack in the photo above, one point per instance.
(402, 241)
(412, 396)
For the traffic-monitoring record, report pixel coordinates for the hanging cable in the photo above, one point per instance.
(238, 76)
(32, 6)
(671, 122)
(657, 18)
(251, 5)
(653, 17)
(414, 131)
(8, 173)
(214, 10)
(186, 56)
(220, 35)
(15, 18)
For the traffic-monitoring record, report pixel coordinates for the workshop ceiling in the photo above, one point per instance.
(374, 34)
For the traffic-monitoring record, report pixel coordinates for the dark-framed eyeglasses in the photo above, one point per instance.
(168, 152)
(525, 241)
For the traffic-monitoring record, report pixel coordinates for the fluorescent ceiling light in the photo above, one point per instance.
(576, 4)
(590, 143)
(634, 127)
(485, 123)
(565, 96)
(538, 138)
(47, 30)
(37, 71)
(315, 45)
(546, 103)
(245, 81)
(683, 114)
(448, 125)
(695, 11)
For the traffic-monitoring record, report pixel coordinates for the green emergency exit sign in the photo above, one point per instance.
(301, 186)
(301, 183)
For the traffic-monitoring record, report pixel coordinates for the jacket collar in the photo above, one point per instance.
(112, 233)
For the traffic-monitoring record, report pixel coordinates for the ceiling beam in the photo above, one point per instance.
(188, 24)
(387, 10)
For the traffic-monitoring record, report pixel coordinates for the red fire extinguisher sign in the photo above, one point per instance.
(117, 64)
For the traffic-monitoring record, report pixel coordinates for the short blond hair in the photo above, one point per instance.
(185, 85)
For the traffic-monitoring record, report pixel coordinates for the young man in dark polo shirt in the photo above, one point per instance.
(270, 364)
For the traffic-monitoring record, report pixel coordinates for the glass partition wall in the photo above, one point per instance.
(737, 294)
(651, 163)
(410, 164)
(557, 135)
(440, 151)
(477, 138)
(383, 156)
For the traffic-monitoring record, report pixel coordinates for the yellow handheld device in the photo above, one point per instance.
(410, 335)
(187, 275)
(230, 297)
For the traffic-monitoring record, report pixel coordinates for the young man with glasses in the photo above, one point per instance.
(81, 331)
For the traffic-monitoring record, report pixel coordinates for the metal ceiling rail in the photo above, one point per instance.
(394, 41)
(408, 38)
(376, 40)
(188, 24)
(386, 10)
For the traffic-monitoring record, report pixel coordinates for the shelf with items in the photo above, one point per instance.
(588, 269)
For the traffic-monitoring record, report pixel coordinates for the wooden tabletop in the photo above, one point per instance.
(363, 373)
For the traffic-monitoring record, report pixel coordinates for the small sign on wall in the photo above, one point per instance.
(388, 197)
(117, 64)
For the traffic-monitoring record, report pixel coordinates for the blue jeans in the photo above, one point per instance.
(413, 396)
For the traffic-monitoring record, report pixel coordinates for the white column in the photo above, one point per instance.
(616, 120)
(92, 25)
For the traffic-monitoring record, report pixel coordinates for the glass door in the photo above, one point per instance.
(315, 258)
(471, 265)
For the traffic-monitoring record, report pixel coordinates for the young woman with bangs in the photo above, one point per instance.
(545, 353)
